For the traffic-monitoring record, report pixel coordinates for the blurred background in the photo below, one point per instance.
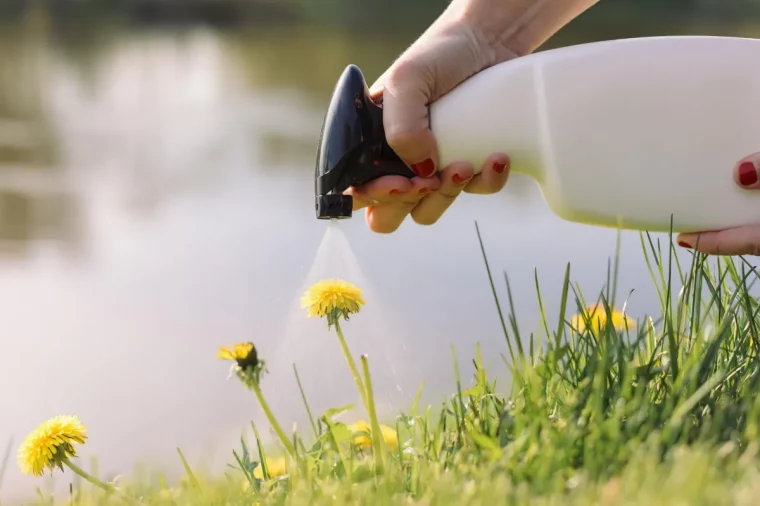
(156, 165)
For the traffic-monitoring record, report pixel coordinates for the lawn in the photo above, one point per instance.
(601, 410)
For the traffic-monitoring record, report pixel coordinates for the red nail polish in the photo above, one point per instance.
(499, 167)
(423, 191)
(747, 174)
(459, 180)
(424, 169)
(684, 244)
(396, 192)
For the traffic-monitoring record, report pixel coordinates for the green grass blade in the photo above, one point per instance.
(305, 402)
(190, 474)
(495, 295)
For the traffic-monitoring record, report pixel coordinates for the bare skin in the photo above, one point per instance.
(734, 241)
(470, 35)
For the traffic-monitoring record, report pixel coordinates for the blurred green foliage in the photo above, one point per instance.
(364, 14)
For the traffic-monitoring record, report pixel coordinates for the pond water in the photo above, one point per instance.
(156, 202)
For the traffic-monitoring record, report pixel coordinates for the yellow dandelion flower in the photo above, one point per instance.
(598, 317)
(169, 494)
(275, 468)
(389, 434)
(243, 353)
(50, 444)
(248, 366)
(332, 299)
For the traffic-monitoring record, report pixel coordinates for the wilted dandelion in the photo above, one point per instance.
(388, 433)
(597, 315)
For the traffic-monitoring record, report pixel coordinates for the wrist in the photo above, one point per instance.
(510, 28)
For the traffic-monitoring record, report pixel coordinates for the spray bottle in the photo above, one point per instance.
(637, 134)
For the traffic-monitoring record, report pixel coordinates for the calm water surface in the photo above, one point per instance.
(156, 202)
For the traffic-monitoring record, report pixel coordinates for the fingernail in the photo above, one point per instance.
(423, 191)
(499, 167)
(684, 244)
(459, 180)
(397, 192)
(424, 169)
(747, 174)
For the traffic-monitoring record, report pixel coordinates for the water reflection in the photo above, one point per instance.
(156, 198)
(35, 202)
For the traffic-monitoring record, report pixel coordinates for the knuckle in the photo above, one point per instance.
(404, 70)
(401, 81)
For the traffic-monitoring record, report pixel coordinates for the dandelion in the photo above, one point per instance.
(244, 354)
(249, 368)
(169, 494)
(275, 468)
(333, 299)
(362, 440)
(597, 315)
(51, 446)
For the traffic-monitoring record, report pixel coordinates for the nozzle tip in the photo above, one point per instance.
(334, 206)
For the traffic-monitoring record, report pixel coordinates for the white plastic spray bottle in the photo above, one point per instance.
(629, 133)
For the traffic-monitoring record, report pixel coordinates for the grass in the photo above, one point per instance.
(663, 412)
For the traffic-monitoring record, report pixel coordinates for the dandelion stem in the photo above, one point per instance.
(377, 435)
(94, 481)
(351, 364)
(272, 420)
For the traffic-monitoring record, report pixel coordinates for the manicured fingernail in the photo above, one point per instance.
(397, 192)
(459, 180)
(747, 174)
(423, 191)
(499, 167)
(684, 244)
(425, 168)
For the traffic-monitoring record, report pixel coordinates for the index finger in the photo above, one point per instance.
(733, 241)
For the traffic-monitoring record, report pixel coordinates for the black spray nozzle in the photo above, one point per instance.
(352, 148)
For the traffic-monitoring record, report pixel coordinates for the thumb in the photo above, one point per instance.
(405, 96)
